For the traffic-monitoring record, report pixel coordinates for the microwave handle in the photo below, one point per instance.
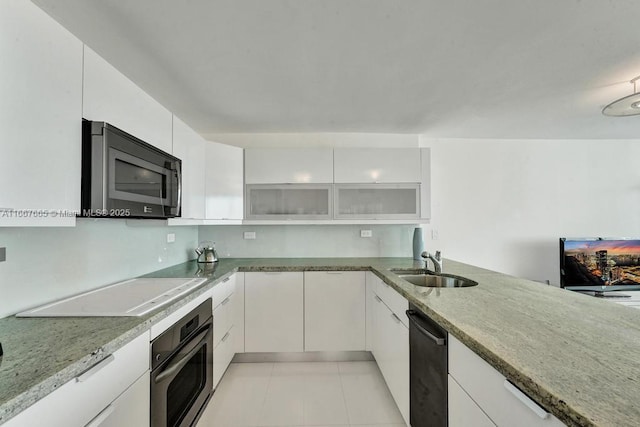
(179, 174)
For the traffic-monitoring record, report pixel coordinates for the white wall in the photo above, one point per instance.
(503, 204)
(45, 264)
(296, 241)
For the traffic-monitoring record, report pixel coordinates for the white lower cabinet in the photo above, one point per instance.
(334, 311)
(94, 394)
(463, 411)
(391, 351)
(131, 408)
(224, 312)
(274, 312)
(500, 400)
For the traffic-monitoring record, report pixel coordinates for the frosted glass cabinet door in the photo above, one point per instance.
(304, 201)
(377, 201)
(40, 106)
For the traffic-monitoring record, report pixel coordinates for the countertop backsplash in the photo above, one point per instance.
(312, 241)
(45, 264)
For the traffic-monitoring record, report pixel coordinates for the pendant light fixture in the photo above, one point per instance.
(625, 106)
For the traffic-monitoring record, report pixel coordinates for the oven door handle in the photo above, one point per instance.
(177, 365)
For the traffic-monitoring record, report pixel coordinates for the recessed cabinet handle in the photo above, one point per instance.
(224, 338)
(102, 416)
(396, 318)
(528, 402)
(226, 300)
(377, 298)
(225, 280)
(95, 368)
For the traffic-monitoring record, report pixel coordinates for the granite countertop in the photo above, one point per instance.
(574, 354)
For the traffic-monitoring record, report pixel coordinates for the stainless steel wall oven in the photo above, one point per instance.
(182, 369)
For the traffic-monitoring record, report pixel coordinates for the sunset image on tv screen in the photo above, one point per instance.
(602, 262)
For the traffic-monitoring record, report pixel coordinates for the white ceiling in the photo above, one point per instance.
(443, 68)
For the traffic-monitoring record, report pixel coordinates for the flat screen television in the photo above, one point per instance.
(600, 264)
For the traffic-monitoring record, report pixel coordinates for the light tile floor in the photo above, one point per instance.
(302, 394)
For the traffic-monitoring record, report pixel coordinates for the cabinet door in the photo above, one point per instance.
(334, 311)
(391, 350)
(369, 306)
(274, 312)
(224, 187)
(40, 123)
(278, 202)
(289, 166)
(499, 399)
(189, 147)
(238, 314)
(377, 165)
(463, 411)
(110, 96)
(222, 356)
(130, 409)
(377, 201)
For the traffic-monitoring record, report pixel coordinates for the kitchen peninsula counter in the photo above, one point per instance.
(575, 355)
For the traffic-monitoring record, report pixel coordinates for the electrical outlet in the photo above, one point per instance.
(366, 233)
(434, 234)
(249, 235)
(3, 254)
(171, 237)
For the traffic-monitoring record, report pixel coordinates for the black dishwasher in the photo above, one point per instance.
(428, 371)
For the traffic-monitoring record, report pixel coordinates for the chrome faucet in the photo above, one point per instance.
(437, 261)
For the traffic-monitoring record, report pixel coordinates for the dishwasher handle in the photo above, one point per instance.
(414, 319)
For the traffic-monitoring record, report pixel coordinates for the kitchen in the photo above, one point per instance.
(496, 194)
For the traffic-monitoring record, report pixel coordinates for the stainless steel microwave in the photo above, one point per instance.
(124, 177)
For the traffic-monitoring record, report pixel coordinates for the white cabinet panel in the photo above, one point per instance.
(130, 409)
(288, 166)
(224, 186)
(80, 400)
(238, 315)
(274, 312)
(487, 388)
(463, 411)
(222, 355)
(40, 114)
(189, 147)
(334, 311)
(377, 165)
(425, 183)
(391, 351)
(110, 96)
(369, 306)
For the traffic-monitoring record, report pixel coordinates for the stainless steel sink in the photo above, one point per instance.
(438, 280)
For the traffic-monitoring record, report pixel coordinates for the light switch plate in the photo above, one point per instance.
(366, 233)
(171, 237)
(249, 235)
(3, 254)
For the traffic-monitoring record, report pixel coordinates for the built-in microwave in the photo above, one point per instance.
(125, 177)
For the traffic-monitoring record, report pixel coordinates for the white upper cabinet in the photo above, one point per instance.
(189, 147)
(224, 189)
(289, 166)
(111, 97)
(377, 165)
(40, 116)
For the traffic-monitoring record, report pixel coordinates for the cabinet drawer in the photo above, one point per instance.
(463, 411)
(396, 302)
(78, 401)
(222, 355)
(490, 390)
(222, 319)
(223, 290)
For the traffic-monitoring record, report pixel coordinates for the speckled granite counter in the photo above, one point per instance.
(576, 355)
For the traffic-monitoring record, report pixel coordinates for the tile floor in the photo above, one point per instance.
(302, 394)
